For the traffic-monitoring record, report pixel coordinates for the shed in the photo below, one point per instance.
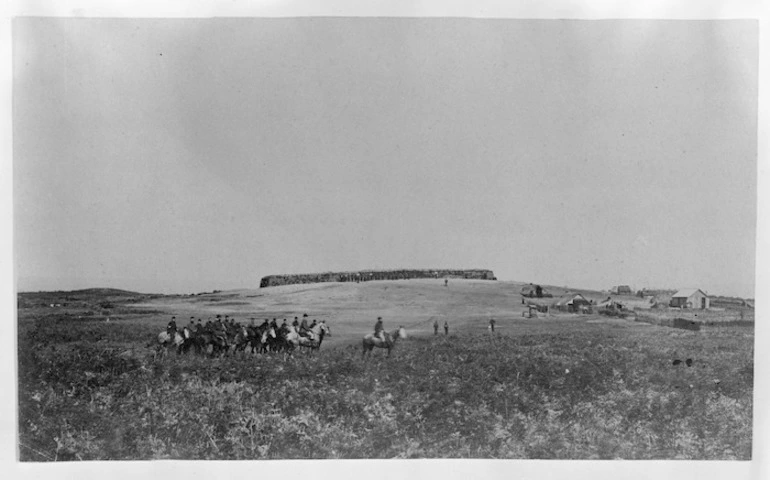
(572, 303)
(690, 298)
(623, 290)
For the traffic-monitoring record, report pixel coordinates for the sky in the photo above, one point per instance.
(186, 155)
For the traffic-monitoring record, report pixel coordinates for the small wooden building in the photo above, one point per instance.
(573, 303)
(623, 290)
(690, 298)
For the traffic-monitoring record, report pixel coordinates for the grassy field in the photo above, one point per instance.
(560, 387)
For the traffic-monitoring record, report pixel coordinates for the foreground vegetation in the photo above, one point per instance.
(90, 390)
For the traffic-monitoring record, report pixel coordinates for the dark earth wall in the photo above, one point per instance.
(367, 275)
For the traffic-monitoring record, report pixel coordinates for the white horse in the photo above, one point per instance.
(317, 336)
(370, 341)
(166, 341)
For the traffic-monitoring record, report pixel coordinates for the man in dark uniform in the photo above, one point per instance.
(171, 327)
(492, 324)
(295, 324)
(446, 328)
(303, 328)
(379, 330)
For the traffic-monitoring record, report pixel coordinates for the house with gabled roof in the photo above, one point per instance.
(690, 298)
(572, 303)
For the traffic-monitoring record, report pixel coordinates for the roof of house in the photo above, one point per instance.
(566, 299)
(687, 293)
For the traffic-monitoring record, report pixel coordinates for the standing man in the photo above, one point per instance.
(379, 330)
(446, 282)
(435, 327)
(492, 324)
(446, 328)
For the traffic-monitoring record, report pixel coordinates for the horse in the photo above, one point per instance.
(241, 339)
(314, 342)
(288, 340)
(168, 340)
(217, 341)
(265, 338)
(257, 338)
(189, 340)
(370, 341)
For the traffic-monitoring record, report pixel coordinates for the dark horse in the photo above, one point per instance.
(218, 342)
(370, 341)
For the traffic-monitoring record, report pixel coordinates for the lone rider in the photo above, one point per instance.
(379, 330)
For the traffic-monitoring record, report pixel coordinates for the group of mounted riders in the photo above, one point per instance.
(226, 334)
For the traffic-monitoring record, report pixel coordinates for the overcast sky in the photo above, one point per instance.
(188, 155)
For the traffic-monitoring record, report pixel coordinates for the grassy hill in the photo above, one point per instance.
(351, 309)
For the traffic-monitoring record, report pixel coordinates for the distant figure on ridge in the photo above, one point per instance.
(492, 324)
(446, 282)
(435, 327)
(446, 328)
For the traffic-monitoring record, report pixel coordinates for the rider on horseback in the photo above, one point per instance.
(379, 330)
(171, 327)
(303, 327)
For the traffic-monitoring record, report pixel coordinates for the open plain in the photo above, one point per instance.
(559, 386)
